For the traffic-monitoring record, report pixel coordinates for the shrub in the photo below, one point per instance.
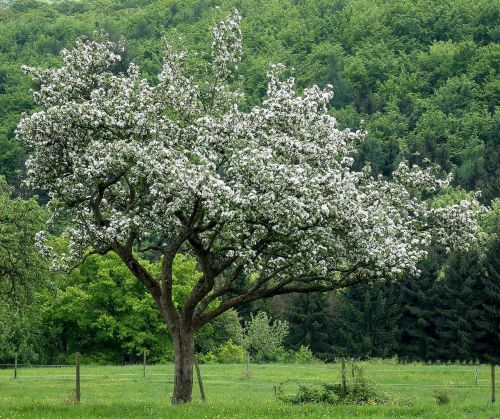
(324, 393)
(307, 394)
(96, 358)
(304, 356)
(278, 355)
(361, 390)
(442, 395)
(208, 358)
(227, 353)
(230, 353)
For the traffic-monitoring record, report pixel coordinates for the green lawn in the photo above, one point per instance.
(121, 391)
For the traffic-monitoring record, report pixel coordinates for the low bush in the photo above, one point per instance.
(208, 358)
(442, 395)
(361, 390)
(304, 356)
(227, 353)
(277, 355)
(231, 353)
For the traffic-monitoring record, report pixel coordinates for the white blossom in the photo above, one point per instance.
(269, 193)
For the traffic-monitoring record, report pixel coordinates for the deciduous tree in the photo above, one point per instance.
(266, 199)
(21, 267)
(21, 271)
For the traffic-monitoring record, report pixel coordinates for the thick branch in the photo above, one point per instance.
(284, 287)
(205, 284)
(225, 289)
(139, 272)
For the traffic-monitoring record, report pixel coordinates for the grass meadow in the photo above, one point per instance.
(123, 392)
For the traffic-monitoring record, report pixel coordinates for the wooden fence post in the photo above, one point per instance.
(15, 365)
(476, 373)
(493, 396)
(344, 381)
(78, 394)
(200, 382)
(352, 369)
(144, 363)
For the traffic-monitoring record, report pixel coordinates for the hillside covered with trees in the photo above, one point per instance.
(419, 77)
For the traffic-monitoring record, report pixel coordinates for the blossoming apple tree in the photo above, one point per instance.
(265, 199)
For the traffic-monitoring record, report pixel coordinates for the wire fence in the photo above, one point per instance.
(465, 377)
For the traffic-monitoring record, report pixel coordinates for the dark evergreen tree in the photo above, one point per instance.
(416, 300)
(366, 323)
(310, 320)
(453, 313)
(456, 308)
(486, 328)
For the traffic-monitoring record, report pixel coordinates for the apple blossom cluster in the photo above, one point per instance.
(226, 46)
(269, 194)
(78, 75)
(421, 180)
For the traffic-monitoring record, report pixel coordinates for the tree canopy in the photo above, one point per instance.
(267, 194)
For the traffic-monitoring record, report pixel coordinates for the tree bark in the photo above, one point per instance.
(183, 382)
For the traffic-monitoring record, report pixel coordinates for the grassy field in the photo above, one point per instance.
(123, 392)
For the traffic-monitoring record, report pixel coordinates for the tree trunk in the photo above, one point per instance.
(183, 382)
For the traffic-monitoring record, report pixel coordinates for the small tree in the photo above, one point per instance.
(266, 199)
(263, 336)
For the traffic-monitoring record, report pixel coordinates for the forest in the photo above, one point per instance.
(419, 77)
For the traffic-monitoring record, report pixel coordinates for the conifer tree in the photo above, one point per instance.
(456, 308)
(416, 300)
(366, 323)
(310, 319)
(486, 330)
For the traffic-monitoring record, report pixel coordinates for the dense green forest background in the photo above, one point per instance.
(419, 76)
